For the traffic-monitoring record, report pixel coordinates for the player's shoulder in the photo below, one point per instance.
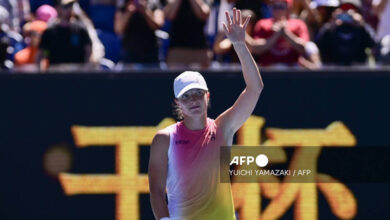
(161, 140)
(163, 135)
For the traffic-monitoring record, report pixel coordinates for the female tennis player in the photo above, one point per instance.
(184, 157)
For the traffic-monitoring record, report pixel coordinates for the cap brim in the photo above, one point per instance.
(189, 87)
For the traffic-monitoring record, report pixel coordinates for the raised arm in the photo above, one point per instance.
(201, 9)
(158, 169)
(122, 18)
(234, 117)
(171, 9)
(378, 6)
(154, 19)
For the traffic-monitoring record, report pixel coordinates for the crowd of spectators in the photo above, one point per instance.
(43, 34)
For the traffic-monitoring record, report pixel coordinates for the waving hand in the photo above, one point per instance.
(234, 28)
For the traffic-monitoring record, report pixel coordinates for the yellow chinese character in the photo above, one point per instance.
(247, 196)
(126, 183)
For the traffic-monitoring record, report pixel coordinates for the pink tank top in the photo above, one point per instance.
(193, 181)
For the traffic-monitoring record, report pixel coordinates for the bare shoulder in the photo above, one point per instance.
(158, 160)
(159, 151)
(161, 138)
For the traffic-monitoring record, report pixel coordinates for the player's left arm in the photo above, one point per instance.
(234, 117)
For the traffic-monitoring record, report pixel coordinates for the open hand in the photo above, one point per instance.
(235, 29)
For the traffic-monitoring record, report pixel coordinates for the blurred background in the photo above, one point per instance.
(85, 85)
(39, 35)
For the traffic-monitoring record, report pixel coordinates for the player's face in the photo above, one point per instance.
(193, 102)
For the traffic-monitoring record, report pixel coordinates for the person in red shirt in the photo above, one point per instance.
(32, 31)
(280, 39)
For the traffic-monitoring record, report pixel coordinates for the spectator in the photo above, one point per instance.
(32, 32)
(280, 39)
(97, 50)
(137, 21)
(344, 40)
(46, 13)
(299, 8)
(35, 4)
(311, 58)
(188, 43)
(10, 41)
(384, 51)
(5, 62)
(19, 13)
(319, 13)
(369, 14)
(225, 5)
(66, 41)
(382, 9)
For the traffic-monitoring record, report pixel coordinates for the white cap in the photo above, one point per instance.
(188, 80)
